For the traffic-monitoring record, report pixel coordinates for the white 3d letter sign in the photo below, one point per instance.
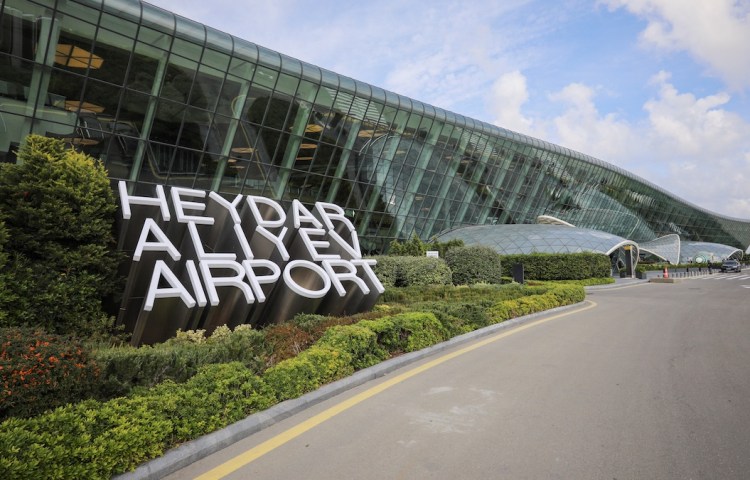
(198, 260)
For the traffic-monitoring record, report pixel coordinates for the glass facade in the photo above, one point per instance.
(164, 100)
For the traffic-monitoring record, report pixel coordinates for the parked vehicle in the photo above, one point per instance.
(731, 266)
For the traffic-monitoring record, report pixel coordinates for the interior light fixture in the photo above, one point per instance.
(313, 128)
(304, 158)
(243, 150)
(74, 105)
(76, 57)
(308, 145)
(84, 142)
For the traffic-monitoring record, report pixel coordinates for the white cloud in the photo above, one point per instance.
(706, 148)
(581, 127)
(689, 144)
(507, 96)
(716, 32)
(690, 125)
(442, 53)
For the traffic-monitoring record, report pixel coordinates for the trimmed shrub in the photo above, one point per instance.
(407, 271)
(407, 332)
(421, 271)
(286, 340)
(217, 396)
(544, 298)
(308, 371)
(474, 264)
(418, 330)
(97, 440)
(388, 335)
(39, 371)
(388, 270)
(458, 317)
(126, 367)
(357, 340)
(561, 266)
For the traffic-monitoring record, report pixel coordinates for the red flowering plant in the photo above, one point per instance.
(40, 371)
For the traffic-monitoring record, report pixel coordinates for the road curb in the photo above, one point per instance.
(194, 450)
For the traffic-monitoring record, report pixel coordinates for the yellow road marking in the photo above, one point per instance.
(258, 451)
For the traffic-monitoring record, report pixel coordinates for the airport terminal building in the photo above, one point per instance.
(163, 100)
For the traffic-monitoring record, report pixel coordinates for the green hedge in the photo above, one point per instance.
(311, 369)
(357, 340)
(474, 264)
(123, 368)
(94, 439)
(344, 349)
(548, 297)
(406, 271)
(562, 266)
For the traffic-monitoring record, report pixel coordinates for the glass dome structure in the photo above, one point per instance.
(538, 238)
(700, 252)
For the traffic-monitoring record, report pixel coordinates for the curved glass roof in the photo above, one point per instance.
(699, 252)
(525, 239)
(666, 247)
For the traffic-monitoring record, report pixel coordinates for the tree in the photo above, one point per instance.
(58, 209)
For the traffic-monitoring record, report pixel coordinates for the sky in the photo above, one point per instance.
(660, 88)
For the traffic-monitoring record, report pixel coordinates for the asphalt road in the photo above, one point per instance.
(646, 382)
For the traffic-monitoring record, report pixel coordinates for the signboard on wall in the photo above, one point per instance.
(198, 260)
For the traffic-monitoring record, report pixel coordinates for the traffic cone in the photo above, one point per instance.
(666, 273)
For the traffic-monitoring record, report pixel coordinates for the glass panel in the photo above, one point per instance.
(154, 38)
(123, 26)
(229, 101)
(65, 89)
(132, 111)
(206, 171)
(74, 52)
(218, 41)
(186, 50)
(206, 88)
(190, 31)
(114, 51)
(265, 77)
(287, 84)
(143, 67)
(214, 59)
(156, 162)
(99, 99)
(269, 58)
(19, 36)
(197, 132)
(82, 12)
(160, 20)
